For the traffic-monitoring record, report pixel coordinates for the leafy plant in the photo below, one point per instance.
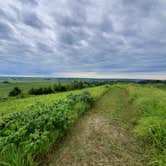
(32, 132)
(15, 91)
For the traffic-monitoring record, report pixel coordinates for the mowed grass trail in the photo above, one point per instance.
(102, 137)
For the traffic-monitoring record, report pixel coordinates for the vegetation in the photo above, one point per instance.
(103, 136)
(130, 118)
(15, 91)
(59, 87)
(34, 131)
(5, 88)
(46, 87)
(150, 103)
(22, 104)
(24, 135)
(125, 127)
(41, 91)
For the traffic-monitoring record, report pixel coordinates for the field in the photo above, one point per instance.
(5, 88)
(25, 84)
(120, 124)
(22, 104)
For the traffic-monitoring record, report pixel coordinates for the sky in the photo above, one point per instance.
(83, 38)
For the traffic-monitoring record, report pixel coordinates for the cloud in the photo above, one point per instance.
(31, 19)
(5, 31)
(29, 2)
(86, 36)
(114, 76)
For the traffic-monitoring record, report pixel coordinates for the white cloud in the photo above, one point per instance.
(160, 76)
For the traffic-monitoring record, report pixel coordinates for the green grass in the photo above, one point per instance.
(5, 88)
(103, 136)
(150, 103)
(25, 135)
(147, 118)
(136, 111)
(22, 104)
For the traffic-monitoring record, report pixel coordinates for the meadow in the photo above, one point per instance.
(43, 119)
(25, 84)
(21, 104)
(150, 104)
(30, 126)
(5, 88)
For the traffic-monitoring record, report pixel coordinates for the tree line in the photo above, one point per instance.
(57, 87)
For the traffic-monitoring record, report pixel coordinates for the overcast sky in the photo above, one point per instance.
(83, 38)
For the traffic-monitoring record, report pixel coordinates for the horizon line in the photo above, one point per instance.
(95, 76)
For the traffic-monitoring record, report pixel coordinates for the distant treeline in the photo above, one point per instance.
(57, 87)
(62, 87)
(151, 81)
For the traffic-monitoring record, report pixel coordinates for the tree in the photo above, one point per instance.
(15, 91)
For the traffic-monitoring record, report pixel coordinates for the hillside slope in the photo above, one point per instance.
(23, 104)
(103, 136)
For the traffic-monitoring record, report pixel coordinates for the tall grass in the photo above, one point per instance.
(23, 104)
(25, 135)
(150, 103)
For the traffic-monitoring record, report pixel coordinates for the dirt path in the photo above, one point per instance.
(102, 137)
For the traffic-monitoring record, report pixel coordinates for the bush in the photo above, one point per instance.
(34, 131)
(62, 87)
(40, 91)
(6, 82)
(15, 92)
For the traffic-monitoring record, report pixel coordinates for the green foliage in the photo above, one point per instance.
(5, 88)
(32, 132)
(23, 104)
(153, 131)
(6, 82)
(59, 87)
(12, 155)
(150, 103)
(41, 90)
(15, 91)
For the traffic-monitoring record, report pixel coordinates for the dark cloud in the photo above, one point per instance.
(5, 31)
(29, 2)
(69, 21)
(2, 14)
(31, 19)
(43, 47)
(106, 25)
(85, 36)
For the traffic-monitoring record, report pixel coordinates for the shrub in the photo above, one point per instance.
(6, 82)
(15, 91)
(59, 87)
(34, 131)
(40, 91)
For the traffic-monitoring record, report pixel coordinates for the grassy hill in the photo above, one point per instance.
(22, 104)
(5, 88)
(125, 126)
